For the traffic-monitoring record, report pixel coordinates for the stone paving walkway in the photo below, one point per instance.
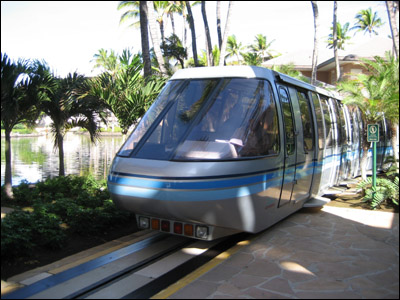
(331, 253)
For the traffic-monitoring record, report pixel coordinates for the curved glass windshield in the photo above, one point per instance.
(208, 119)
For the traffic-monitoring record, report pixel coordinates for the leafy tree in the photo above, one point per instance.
(315, 51)
(126, 94)
(172, 47)
(234, 48)
(262, 48)
(67, 108)
(367, 21)
(376, 94)
(342, 36)
(20, 82)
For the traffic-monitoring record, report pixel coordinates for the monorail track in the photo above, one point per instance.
(137, 271)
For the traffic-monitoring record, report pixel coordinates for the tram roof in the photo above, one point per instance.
(247, 72)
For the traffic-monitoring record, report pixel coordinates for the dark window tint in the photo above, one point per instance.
(288, 119)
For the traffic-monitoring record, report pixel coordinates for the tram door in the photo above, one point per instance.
(290, 147)
(305, 144)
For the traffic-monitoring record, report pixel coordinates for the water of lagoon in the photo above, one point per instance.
(34, 158)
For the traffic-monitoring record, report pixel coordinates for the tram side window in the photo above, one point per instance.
(288, 118)
(320, 124)
(328, 121)
(343, 128)
(306, 120)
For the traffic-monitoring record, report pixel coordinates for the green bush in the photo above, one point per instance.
(81, 204)
(386, 190)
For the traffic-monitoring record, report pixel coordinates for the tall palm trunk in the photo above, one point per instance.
(208, 37)
(7, 175)
(155, 37)
(219, 25)
(145, 39)
(315, 52)
(393, 6)
(335, 40)
(192, 29)
(226, 34)
(60, 144)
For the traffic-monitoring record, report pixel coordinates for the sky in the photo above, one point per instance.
(68, 34)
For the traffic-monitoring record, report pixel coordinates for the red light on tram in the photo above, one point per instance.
(165, 226)
(178, 228)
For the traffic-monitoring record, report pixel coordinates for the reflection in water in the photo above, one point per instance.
(34, 158)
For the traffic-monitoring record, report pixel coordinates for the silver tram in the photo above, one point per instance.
(230, 149)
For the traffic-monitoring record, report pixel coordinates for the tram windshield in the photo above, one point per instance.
(208, 119)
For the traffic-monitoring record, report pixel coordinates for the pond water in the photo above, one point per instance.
(34, 158)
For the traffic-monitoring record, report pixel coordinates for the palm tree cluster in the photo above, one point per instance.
(29, 89)
(377, 95)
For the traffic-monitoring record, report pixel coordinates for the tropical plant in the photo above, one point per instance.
(392, 9)
(234, 48)
(376, 94)
(386, 190)
(172, 47)
(210, 61)
(262, 48)
(127, 95)
(67, 108)
(315, 50)
(342, 36)
(20, 82)
(367, 21)
(226, 34)
(193, 30)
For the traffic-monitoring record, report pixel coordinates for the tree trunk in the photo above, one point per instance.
(335, 49)
(210, 61)
(155, 37)
(219, 25)
(226, 34)
(8, 175)
(145, 39)
(393, 6)
(393, 141)
(364, 161)
(60, 143)
(315, 52)
(192, 29)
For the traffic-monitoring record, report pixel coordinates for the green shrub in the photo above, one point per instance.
(82, 203)
(386, 191)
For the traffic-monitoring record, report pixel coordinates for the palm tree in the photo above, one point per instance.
(132, 12)
(67, 108)
(210, 61)
(261, 47)
(315, 51)
(144, 34)
(384, 74)
(226, 34)
(103, 60)
(155, 37)
(234, 48)
(127, 95)
(393, 9)
(367, 21)
(342, 36)
(192, 29)
(219, 25)
(19, 95)
(377, 95)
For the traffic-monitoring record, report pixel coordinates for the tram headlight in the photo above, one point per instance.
(144, 222)
(201, 232)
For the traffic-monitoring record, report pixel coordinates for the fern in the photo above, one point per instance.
(385, 190)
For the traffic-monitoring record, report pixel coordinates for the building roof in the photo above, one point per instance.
(302, 59)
